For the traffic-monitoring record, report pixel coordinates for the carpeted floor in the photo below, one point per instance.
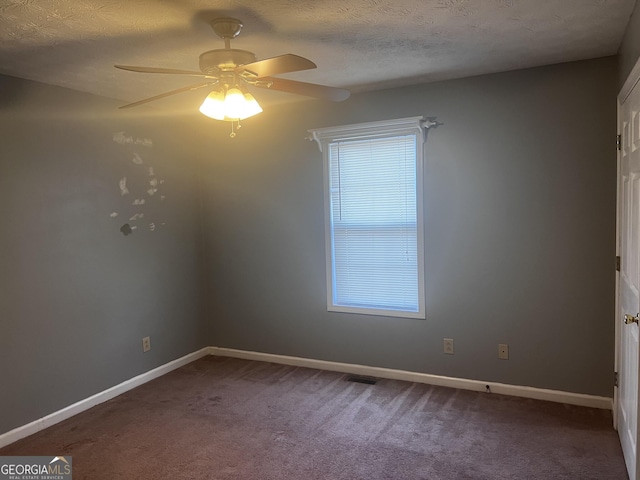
(224, 418)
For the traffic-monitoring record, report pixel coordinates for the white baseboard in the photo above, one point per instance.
(580, 399)
(78, 407)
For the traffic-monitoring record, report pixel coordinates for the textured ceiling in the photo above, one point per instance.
(357, 44)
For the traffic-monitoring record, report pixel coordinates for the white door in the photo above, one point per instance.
(629, 281)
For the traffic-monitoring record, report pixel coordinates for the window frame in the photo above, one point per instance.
(362, 131)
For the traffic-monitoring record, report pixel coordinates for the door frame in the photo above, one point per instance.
(616, 366)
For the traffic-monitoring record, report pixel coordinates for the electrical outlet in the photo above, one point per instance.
(146, 344)
(503, 351)
(448, 346)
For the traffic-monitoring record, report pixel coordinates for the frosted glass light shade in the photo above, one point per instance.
(213, 105)
(251, 106)
(234, 103)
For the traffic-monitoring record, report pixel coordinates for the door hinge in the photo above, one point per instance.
(618, 263)
(619, 142)
(615, 379)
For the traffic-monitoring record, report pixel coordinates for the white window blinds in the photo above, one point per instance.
(374, 223)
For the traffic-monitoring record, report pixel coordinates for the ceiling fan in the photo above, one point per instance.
(229, 70)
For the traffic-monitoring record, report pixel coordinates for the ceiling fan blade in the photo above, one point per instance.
(276, 65)
(301, 88)
(160, 70)
(167, 94)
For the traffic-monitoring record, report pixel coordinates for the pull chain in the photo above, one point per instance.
(235, 126)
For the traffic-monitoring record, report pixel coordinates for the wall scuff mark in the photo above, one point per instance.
(138, 176)
(122, 139)
(123, 186)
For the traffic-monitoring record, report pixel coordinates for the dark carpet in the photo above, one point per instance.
(225, 418)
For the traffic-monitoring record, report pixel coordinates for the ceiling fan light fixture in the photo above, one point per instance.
(230, 106)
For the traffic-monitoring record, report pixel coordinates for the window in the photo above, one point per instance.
(373, 217)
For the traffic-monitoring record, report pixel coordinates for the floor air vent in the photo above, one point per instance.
(360, 379)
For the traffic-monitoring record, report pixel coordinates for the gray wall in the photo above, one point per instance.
(76, 295)
(520, 226)
(630, 48)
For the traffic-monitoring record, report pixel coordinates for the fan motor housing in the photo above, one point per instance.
(224, 60)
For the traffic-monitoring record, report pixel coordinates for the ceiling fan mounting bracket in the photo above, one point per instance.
(226, 27)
